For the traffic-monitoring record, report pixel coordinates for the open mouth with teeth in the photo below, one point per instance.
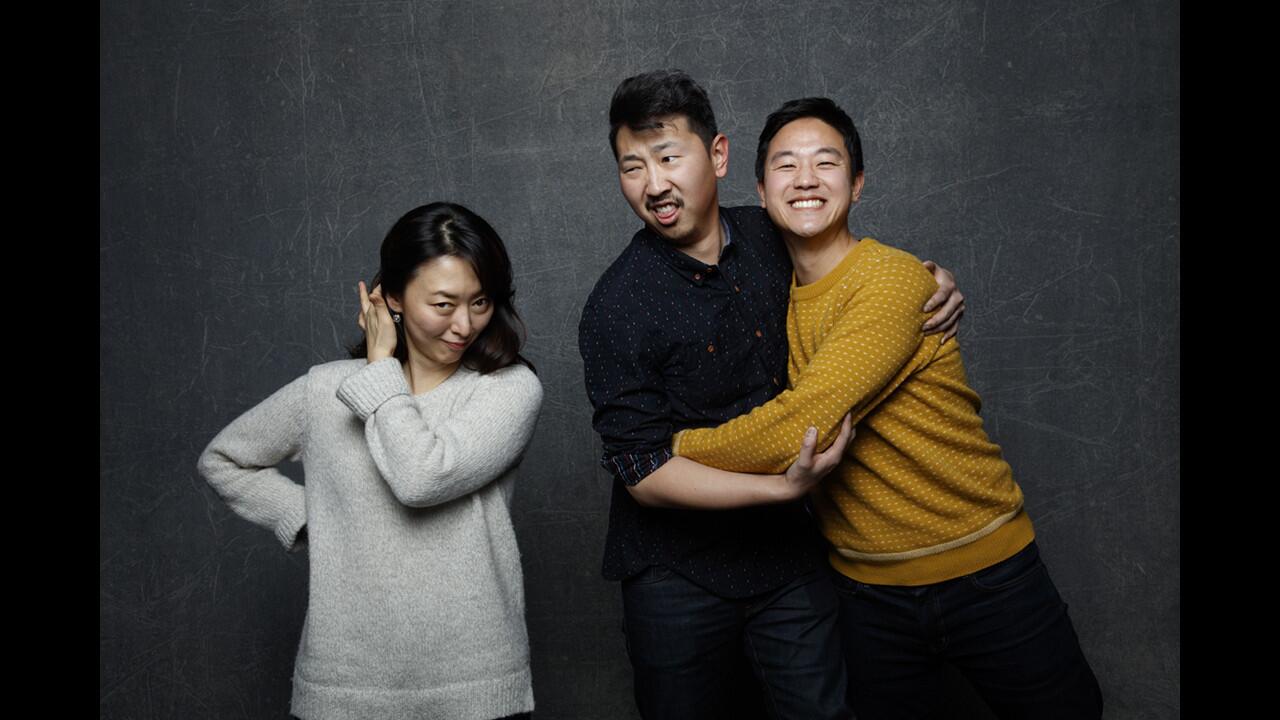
(807, 203)
(665, 212)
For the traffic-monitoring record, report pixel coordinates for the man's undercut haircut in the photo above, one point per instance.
(643, 101)
(815, 107)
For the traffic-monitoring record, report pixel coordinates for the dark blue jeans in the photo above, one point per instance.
(1005, 628)
(687, 645)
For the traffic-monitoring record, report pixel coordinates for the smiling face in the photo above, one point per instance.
(444, 310)
(668, 176)
(807, 188)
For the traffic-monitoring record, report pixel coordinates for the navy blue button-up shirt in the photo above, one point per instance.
(670, 343)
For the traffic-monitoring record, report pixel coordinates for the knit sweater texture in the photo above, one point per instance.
(416, 599)
(923, 495)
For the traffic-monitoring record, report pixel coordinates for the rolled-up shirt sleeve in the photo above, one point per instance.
(632, 412)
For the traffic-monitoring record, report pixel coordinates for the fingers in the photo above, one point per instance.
(954, 326)
(947, 316)
(831, 457)
(364, 297)
(364, 304)
(946, 285)
(935, 300)
(806, 447)
(846, 434)
(846, 431)
(379, 310)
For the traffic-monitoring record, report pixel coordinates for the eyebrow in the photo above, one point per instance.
(652, 149)
(790, 153)
(451, 296)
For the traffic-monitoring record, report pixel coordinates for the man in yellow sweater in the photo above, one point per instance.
(935, 557)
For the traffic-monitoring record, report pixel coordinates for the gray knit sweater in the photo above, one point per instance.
(416, 606)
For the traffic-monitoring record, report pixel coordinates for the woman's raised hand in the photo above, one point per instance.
(375, 320)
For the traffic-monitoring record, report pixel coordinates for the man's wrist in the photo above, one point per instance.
(779, 489)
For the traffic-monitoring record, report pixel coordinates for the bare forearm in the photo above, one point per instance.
(683, 483)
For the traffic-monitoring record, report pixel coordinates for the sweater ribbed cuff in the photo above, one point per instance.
(365, 390)
(291, 523)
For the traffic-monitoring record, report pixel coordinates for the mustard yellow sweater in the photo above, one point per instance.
(922, 495)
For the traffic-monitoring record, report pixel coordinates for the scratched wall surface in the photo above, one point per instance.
(253, 155)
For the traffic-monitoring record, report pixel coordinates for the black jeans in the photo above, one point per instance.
(685, 644)
(1005, 628)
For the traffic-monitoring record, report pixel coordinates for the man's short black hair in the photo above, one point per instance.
(641, 101)
(815, 107)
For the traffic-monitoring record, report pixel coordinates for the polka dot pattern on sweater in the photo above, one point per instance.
(921, 475)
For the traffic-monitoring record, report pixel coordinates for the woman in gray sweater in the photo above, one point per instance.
(416, 606)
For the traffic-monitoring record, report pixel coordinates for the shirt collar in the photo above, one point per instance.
(693, 270)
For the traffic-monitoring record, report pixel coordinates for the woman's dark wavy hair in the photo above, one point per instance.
(438, 229)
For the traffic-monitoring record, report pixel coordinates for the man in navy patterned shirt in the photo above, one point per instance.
(722, 573)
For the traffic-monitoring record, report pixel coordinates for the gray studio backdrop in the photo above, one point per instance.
(253, 154)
